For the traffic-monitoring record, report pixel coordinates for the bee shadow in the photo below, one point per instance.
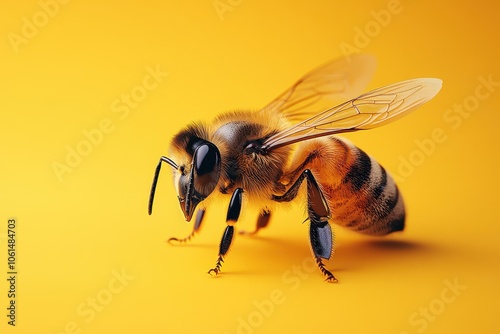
(364, 253)
(351, 254)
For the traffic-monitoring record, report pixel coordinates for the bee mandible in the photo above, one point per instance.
(261, 158)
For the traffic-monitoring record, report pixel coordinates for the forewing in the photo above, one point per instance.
(325, 86)
(370, 110)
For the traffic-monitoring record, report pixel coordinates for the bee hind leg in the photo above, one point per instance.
(196, 228)
(262, 221)
(321, 237)
(320, 232)
(233, 213)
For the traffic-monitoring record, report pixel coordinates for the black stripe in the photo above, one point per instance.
(398, 224)
(359, 172)
(389, 204)
(377, 191)
(379, 210)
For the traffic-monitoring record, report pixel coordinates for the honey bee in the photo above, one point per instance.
(261, 158)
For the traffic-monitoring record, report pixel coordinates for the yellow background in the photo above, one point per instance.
(78, 233)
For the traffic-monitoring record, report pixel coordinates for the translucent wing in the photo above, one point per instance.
(370, 110)
(327, 85)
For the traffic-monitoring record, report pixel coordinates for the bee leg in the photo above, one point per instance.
(262, 222)
(196, 228)
(320, 232)
(233, 213)
(321, 237)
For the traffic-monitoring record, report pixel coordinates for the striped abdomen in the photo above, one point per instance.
(360, 193)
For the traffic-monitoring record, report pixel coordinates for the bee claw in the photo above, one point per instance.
(213, 271)
(327, 273)
(174, 241)
(217, 268)
(331, 279)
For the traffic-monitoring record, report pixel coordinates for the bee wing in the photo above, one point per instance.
(334, 82)
(370, 110)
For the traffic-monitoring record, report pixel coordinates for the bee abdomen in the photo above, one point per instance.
(375, 205)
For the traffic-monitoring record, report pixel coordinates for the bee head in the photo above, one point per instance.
(196, 172)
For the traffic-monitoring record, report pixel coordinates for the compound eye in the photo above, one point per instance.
(206, 168)
(207, 159)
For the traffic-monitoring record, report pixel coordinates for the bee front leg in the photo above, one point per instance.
(196, 228)
(233, 213)
(320, 232)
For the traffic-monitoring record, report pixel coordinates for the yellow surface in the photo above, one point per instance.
(90, 259)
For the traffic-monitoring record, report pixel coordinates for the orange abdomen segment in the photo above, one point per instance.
(362, 196)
